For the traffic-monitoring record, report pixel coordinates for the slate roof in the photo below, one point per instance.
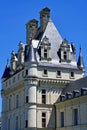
(75, 85)
(54, 38)
(6, 73)
(31, 57)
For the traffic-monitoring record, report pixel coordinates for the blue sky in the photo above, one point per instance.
(69, 16)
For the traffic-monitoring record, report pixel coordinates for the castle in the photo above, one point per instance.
(35, 84)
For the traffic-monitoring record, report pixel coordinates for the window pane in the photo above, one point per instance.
(43, 114)
(62, 119)
(44, 99)
(45, 72)
(43, 91)
(75, 116)
(65, 56)
(72, 74)
(58, 73)
(45, 53)
(43, 122)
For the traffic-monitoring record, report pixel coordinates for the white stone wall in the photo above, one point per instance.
(65, 73)
(67, 107)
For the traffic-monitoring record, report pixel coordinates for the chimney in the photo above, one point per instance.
(31, 30)
(44, 18)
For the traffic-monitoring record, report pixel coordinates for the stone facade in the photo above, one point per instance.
(36, 76)
(71, 110)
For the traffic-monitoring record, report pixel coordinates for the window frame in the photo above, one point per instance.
(65, 55)
(43, 96)
(58, 73)
(62, 119)
(72, 75)
(75, 116)
(45, 72)
(43, 119)
(45, 54)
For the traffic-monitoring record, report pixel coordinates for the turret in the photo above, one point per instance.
(31, 84)
(30, 62)
(44, 18)
(31, 30)
(80, 62)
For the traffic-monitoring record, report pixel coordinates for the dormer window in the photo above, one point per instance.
(45, 53)
(65, 55)
(64, 51)
(44, 50)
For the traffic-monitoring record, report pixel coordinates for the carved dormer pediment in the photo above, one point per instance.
(45, 41)
(45, 48)
(65, 44)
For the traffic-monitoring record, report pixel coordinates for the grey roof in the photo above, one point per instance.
(31, 57)
(54, 38)
(6, 73)
(76, 85)
(80, 62)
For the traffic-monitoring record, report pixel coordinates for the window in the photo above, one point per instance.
(26, 99)
(75, 116)
(8, 124)
(26, 124)
(23, 74)
(16, 123)
(43, 119)
(45, 53)
(17, 101)
(9, 103)
(62, 119)
(13, 79)
(9, 82)
(18, 76)
(72, 74)
(58, 73)
(43, 96)
(26, 72)
(45, 71)
(65, 55)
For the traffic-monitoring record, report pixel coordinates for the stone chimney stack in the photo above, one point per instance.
(31, 30)
(44, 18)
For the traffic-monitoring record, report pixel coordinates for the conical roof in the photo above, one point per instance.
(6, 73)
(80, 62)
(31, 54)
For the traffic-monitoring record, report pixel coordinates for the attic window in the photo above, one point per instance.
(65, 55)
(45, 53)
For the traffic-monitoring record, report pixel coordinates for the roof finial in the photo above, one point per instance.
(80, 62)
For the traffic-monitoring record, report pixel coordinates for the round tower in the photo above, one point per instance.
(31, 85)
